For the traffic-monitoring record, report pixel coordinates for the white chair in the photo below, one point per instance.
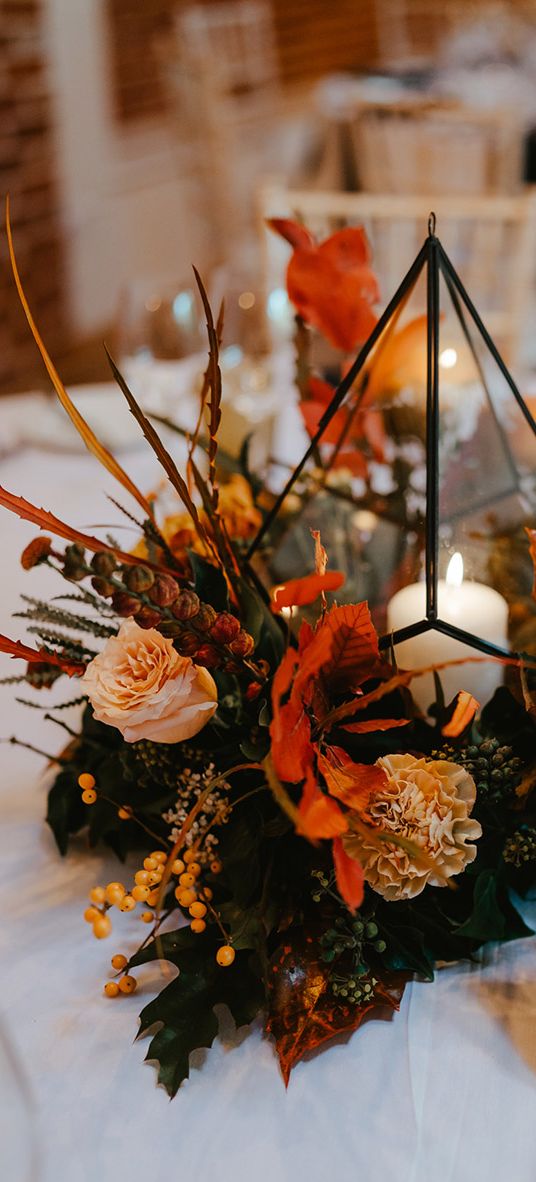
(491, 241)
(410, 147)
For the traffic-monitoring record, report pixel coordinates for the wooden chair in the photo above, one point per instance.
(410, 147)
(491, 241)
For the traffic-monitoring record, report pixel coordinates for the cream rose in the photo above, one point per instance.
(428, 802)
(140, 684)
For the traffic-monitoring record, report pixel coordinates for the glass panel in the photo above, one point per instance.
(487, 483)
(365, 486)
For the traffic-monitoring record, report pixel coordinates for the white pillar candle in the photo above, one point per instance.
(472, 607)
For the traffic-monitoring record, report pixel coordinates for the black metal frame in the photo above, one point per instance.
(433, 257)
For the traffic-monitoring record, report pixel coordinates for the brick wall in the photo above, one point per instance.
(27, 173)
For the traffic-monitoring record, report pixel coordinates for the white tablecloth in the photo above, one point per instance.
(445, 1091)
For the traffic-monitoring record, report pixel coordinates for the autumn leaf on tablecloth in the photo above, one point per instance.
(299, 592)
(331, 283)
(303, 1012)
(464, 712)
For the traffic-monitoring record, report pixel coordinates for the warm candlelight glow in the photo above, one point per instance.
(454, 575)
(448, 358)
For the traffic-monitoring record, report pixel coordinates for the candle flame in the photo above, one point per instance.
(454, 576)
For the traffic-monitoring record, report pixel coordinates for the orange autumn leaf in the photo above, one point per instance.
(352, 783)
(349, 876)
(331, 283)
(16, 649)
(398, 361)
(290, 729)
(464, 712)
(319, 816)
(298, 592)
(302, 1010)
(369, 725)
(355, 655)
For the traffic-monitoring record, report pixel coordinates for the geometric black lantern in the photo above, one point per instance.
(461, 444)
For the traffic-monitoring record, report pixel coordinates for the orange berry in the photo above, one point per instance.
(141, 878)
(97, 894)
(155, 876)
(184, 897)
(216, 866)
(198, 925)
(102, 927)
(150, 863)
(177, 866)
(140, 894)
(119, 961)
(194, 868)
(111, 989)
(89, 796)
(147, 917)
(127, 903)
(152, 898)
(91, 914)
(225, 955)
(115, 891)
(187, 880)
(86, 780)
(127, 984)
(190, 855)
(198, 910)
(159, 855)
(124, 813)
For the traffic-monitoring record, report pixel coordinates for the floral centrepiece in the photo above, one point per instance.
(302, 839)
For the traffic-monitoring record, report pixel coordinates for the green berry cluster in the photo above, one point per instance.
(520, 848)
(344, 946)
(494, 768)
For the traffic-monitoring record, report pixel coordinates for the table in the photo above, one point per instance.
(445, 1091)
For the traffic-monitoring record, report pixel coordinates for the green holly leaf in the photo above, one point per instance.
(493, 917)
(184, 1010)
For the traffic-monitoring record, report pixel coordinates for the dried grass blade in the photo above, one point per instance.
(84, 430)
(214, 384)
(168, 464)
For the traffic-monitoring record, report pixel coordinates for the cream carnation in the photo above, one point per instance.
(429, 803)
(140, 684)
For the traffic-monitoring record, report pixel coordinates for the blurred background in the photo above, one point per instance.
(140, 136)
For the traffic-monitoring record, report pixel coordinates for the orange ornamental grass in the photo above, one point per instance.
(331, 283)
(338, 656)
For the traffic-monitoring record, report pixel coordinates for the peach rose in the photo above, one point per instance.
(140, 684)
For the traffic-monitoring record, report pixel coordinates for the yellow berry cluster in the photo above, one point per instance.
(114, 894)
(126, 984)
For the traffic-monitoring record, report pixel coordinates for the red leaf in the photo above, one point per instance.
(464, 712)
(331, 285)
(298, 592)
(374, 724)
(46, 520)
(290, 729)
(353, 783)
(303, 1012)
(15, 648)
(320, 817)
(355, 654)
(293, 232)
(349, 875)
